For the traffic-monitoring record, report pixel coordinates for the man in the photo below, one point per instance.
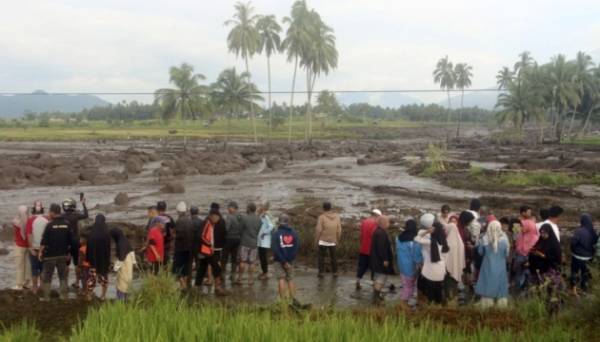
(554, 214)
(205, 254)
(55, 251)
(367, 227)
(381, 256)
(73, 216)
(327, 235)
(35, 229)
(251, 224)
(284, 244)
(184, 234)
(232, 242)
(161, 208)
(220, 234)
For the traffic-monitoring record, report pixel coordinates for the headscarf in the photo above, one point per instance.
(493, 235)
(98, 246)
(464, 220)
(586, 222)
(122, 244)
(20, 221)
(550, 247)
(410, 231)
(455, 258)
(438, 237)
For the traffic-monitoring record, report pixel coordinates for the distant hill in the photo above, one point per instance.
(392, 100)
(39, 101)
(484, 100)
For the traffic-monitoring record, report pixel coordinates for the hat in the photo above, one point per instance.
(376, 212)
(427, 220)
(284, 219)
(181, 207)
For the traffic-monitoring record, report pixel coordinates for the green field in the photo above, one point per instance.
(241, 129)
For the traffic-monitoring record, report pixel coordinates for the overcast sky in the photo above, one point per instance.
(120, 45)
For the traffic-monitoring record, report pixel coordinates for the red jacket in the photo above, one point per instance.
(367, 228)
(19, 241)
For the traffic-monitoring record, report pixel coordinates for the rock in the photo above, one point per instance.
(134, 165)
(4, 251)
(122, 199)
(173, 188)
(13, 171)
(88, 174)
(361, 161)
(229, 181)
(61, 177)
(275, 163)
(301, 155)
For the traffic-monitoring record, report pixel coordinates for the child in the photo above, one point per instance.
(83, 266)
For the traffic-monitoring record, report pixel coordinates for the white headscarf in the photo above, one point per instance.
(493, 235)
(455, 258)
(20, 220)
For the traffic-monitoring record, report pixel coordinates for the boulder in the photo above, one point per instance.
(134, 165)
(229, 181)
(88, 174)
(121, 199)
(173, 188)
(61, 177)
(361, 161)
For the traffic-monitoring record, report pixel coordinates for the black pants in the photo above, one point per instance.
(230, 251)
(433, 290)
(322, 251)
(364, 264)
(579, 271)
(263, 256)
(202, 267)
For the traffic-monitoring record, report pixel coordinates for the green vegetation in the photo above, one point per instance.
(437, 157)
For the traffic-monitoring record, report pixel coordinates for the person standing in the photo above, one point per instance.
(409, 259)
(524, 242)
(35, 229)
(367, 227)
(327, 235)
(183, 235)
(264, 240)
(381, 256)
(152, 212)
(545, 265)
(55, 251)
(98, 257)
(22, 264)
(168, 231)
(205, 254)
(232, 242)
(73, 217)
(124, 264)
(583, 248)
(155, 242)
(492, 283)
(220, 237)
(285, 243)
(432, 239)
(455, 259)
(251, 224)
(444, 215)
(554, 214)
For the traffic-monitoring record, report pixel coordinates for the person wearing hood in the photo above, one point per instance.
(285, 244)
(264, 240)
(432, 239)
(583, 245)
(544, 264)
(408, 258)
(22, 264)
(35, 228)
(465, 220)
(455, 258)
(124, 264)
(492, 283)
(367, 227)
(98, 256)
(327, 235)
(183, 235)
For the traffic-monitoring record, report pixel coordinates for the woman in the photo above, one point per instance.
(408, 258)
(524, 242)
(23, 266)
(465, 219)
(433, 243)
(583, 244)
(264, 241)
(124, 263)
(455, 258)
(493, 277)
(544, 265)
(98, 256)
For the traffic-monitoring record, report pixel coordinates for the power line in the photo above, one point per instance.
(347, 91)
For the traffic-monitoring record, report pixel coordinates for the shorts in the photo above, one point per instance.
(380, 278)
(282, 273)
(182, 263)
(94, 277)
(248, 254)
(36, 265)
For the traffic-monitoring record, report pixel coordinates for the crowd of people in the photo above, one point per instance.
(447, 257)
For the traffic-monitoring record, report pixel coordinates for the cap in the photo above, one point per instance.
(376, 212)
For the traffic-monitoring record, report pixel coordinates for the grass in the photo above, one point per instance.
(241, 129)
(539, 178)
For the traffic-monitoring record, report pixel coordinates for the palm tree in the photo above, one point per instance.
(320, 57)
(525, 60)
(504, 77)
(565, 91)
(593, 98)
(295, 40)
(244, 40)
(270, 42)
(444, 75)
(463, 73)
(233, 93)
(187, 99)
(583, 80)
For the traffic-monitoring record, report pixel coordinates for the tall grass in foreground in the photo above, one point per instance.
(23, 332)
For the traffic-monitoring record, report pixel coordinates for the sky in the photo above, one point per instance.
(128, 46)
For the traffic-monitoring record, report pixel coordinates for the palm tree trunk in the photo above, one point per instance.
(252, 115)
(228, 131)
(270, 109)
(306, 115)
(587, 121)
(292, 100)
(448, 115)
(462, 97)
(571, 124)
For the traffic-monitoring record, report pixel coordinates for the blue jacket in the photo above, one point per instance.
(285, 243)
(408, 256)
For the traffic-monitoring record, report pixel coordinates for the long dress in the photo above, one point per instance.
(493, 277)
